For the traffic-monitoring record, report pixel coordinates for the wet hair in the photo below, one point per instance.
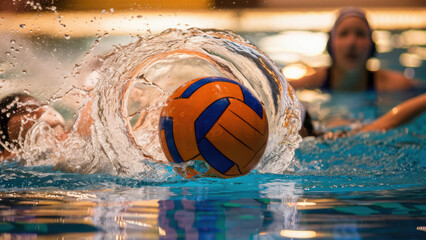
(8, 108)
(343, 14)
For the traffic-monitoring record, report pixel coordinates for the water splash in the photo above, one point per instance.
(134, 82)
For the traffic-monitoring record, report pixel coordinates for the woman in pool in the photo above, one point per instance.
(350, 45)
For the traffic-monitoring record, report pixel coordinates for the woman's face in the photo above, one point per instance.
(351, 43)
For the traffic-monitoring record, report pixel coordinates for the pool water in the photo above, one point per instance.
(365, 186)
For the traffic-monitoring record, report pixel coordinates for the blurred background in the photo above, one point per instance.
(43, 42)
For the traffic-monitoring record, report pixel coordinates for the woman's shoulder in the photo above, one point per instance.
(390, 80)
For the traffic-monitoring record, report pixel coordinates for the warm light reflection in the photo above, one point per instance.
(161, 231)
(284, 58)
(294, 71)
(303, 204)
(395, 110)
(300, 42)
(373, 64)
(383, 41)
(397, 18)
(322, 60)
(265, 21)
(312, 96)
(139, 223)
(298, 234)
(414, 37)
(421, 228)
(420, 51)
(121, 22)
(410, 60)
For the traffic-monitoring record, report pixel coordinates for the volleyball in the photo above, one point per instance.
(215, 121)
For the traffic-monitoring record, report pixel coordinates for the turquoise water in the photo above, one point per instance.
(367, 186)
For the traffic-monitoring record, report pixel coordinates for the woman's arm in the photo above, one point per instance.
(399, 115)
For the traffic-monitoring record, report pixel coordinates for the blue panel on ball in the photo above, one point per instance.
(209, 116)
(196, 85)
(166, 123)
(252, 101)
(215, 158)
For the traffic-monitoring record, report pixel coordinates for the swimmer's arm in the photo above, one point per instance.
(399, 115)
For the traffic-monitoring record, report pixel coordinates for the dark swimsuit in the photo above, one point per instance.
(326, 86)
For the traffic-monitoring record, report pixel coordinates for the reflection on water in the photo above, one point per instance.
(105, 214)
(272, 211)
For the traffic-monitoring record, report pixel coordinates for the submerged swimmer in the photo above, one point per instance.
(350, 45)
(20, 112)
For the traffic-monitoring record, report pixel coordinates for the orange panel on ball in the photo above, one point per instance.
(229, 146)
(244, 124)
